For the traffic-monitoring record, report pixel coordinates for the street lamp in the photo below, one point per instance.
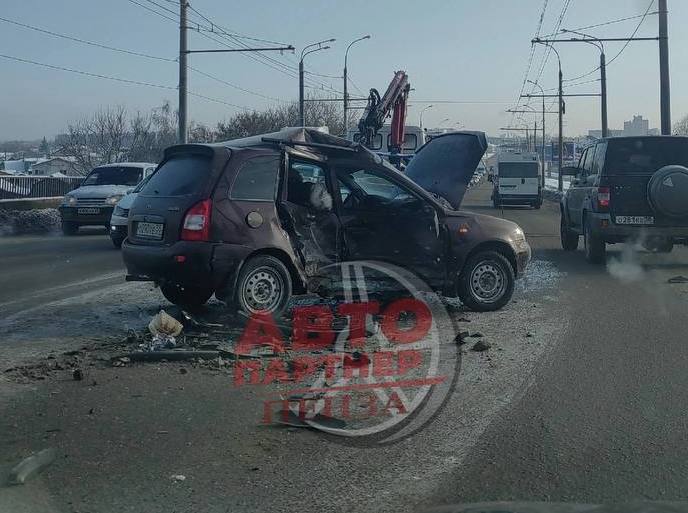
(603, 75)
(346, 96)
(542, 92)
(560, 185)
(421, 114)
(319, 46)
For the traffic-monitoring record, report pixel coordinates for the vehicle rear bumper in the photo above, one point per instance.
(185, 263)
(519, 198)
(70, 215)
(602, 225)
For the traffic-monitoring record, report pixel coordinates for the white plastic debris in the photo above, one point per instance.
(31, 466)
(164, 324)
(178, 477)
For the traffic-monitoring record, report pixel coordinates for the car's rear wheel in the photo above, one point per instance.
(185, 295)
(595, 247)
(486, 282)
(659, 245)
(69, 228)
(264, 285)
(569, 239)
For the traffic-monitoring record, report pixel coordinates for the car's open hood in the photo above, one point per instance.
(445, 165)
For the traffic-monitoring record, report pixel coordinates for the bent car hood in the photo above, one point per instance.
(445, 165)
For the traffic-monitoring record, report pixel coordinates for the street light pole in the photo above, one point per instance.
(603, 75)
(319, 46)
(421, 114)
(542, 91)
(561, 114)
(346, 82)
(664, 84)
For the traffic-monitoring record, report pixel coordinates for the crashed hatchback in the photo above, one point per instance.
(255, 220)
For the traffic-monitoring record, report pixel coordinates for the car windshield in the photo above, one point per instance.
(327, 256)
(646, 155)
(114, 176)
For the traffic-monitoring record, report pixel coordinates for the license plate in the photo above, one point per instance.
(635, 220)
(150, 230)
(88, 211)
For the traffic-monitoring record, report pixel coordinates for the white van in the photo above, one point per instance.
(517, 180)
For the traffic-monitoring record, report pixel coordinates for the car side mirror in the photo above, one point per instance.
(569, 171)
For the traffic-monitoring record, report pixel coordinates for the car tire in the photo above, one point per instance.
(264, 285)
(69, 228)
(595, 247)
(496, 291)
(185, 296)
(117, 241)
(569, 238)
(665, 246)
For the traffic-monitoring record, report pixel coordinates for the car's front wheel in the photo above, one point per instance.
(264, 285)
(486, 282)
(117, 241)
(185, 295)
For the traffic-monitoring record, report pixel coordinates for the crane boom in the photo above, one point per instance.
(379, 109)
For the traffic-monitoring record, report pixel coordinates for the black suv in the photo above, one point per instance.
(627, 189)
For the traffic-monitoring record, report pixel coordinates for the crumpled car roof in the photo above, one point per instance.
(290, 134)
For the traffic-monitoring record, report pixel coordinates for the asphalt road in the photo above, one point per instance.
(605, 417)
(39, 269)
(599, 416)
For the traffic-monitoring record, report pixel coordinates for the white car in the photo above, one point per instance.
(120, 214)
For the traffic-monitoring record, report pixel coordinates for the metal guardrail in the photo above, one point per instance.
(18, 187)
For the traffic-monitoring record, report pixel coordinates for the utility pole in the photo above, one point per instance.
(603, 91)
(664, 89)
(302, 120)
(560, 185)
(183, 54)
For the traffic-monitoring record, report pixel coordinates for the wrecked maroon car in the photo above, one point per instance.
(254, 220)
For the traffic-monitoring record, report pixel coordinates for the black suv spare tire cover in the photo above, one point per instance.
(667, 191)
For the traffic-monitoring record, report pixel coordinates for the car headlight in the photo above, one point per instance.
(119, 211)
(111, 200)
(69, 200)
(519, 235)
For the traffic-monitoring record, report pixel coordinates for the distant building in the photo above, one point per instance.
(47, 167)
(636, 126)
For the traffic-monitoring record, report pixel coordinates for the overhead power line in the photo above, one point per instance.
(86, 42)
(630, 38)
(175, 20)
(115, 79)
(137, 54)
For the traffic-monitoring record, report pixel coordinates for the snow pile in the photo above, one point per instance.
(19, 222)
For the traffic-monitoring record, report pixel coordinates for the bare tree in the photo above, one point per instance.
(316, 113)
(99, 139)
(681, 126)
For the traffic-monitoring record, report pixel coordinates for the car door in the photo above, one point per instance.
(308, 215)
(384, 220)
(577, 190)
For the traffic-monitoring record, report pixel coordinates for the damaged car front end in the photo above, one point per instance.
(258, 220)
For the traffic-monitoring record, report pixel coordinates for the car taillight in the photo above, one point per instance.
(603, 197)
(197, 221)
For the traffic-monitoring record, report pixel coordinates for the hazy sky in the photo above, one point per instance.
(456, 50)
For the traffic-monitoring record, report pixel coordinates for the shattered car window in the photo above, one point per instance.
(372, 184)
(257, 179)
